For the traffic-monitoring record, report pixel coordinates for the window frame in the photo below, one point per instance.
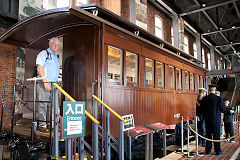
(153, 73)
(191, 83)
(203, 58)
(163, 78)
(174, 78)
(186, 45)
(209, 61)
(197, 82)
(115, 81)
(125, 70)
(195, 51)
(180, 79)
(187, 86)
(160, 28)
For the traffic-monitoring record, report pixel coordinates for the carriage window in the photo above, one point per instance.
(178, 78)
(114, 63)
(131, 68)
(201, 82)
(191, 82)
(160, 74)
(149, 71)
(171, 77)
(186, 80)
(197, 82)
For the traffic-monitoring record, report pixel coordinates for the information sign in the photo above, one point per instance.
(128, 122)
(73, 123)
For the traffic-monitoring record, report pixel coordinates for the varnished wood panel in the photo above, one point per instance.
(148, 105)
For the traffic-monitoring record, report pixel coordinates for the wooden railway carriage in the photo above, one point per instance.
(136, 73)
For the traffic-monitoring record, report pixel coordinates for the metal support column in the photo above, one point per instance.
(81, 148)
(3, 102)
(199, 47)
(176, 31)
(188, 137)
(68, 150)
(56, 124)
(150, 146)
(196, 135)
(146, 147)
(34, 123)
(107, 134)
(121, 140)
(182, 138)
(212, 58)
(164, 142)
(13, 110)
(95, 131)
(129, 148)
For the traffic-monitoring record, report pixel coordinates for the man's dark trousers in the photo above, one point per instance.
(213, 132)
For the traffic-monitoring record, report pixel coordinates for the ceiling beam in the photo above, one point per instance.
(236, 8)
(213, 23)
(184, 13)
(228, 44)
(223, 30)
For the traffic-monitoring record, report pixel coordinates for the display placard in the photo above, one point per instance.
(73, 121)
(128, 122)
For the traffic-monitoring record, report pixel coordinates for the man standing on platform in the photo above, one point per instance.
(212, 107)
(47, 60)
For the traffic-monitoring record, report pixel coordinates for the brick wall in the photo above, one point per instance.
(112, 5)
(95, 1)
(167, 22)
(125, 9)
(191, 40)
(8, 54)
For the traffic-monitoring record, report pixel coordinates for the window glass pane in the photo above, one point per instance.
(186, 80)
(203, 58)
(191, 82)
(172, 38)
(195, 50)
(149, 71)
(158, 27)
(201, 82)
(186, 45)
(114, 63)
(178, 78)
(131, 67)
(160, 74)
(171, 77)
(209, 61)
(197, 82)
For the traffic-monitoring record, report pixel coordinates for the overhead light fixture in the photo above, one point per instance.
(220, 28)
(233, 27)
(203, 5)
(231, 42)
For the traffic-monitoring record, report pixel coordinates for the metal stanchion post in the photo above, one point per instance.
(164, 142)
(196, 135)
(147, 147)
(107, 135)
(129, 148)
(239, 133)
(182, 138)
(121, 140)
(187, 137)
(95, 131)
(150, 146)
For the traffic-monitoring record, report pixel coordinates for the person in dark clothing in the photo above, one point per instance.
(228, 121)
(212, 107)
(201, 119)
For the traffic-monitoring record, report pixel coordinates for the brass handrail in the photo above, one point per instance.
(233, 95)
(73, 100)
(110, 109)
